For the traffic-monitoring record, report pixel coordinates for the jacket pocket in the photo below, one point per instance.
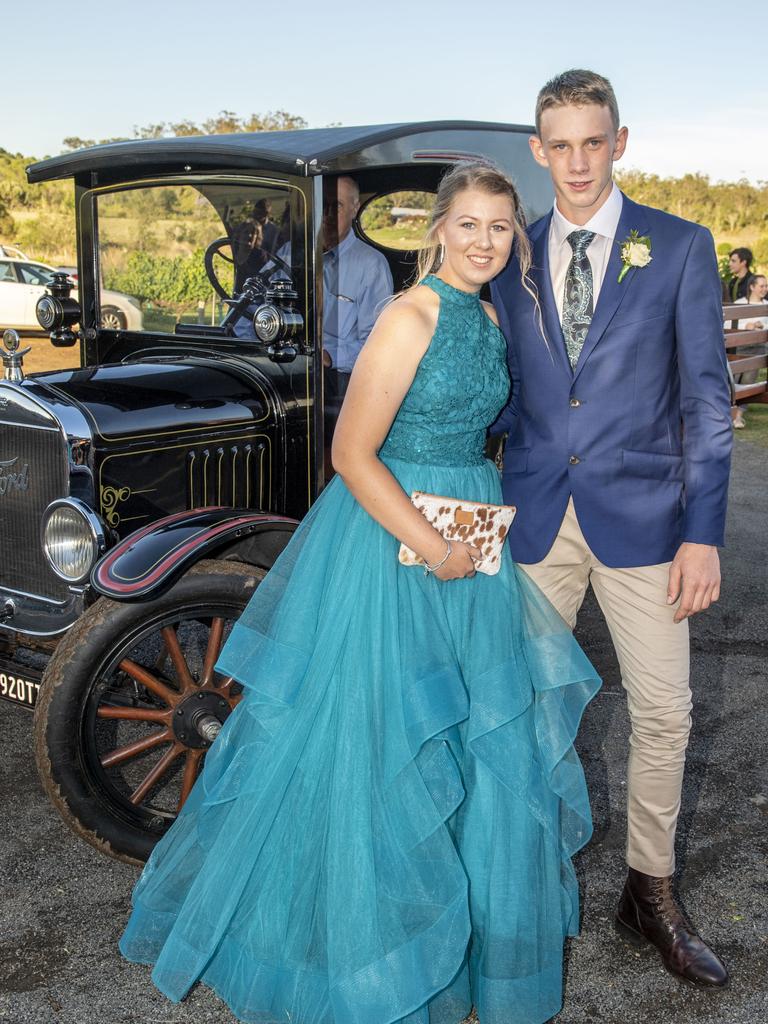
(653, 465)
(639, 316)
(515, 460)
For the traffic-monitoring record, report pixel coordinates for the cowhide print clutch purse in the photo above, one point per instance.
(483, 526)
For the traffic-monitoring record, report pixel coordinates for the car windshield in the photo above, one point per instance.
(178, 252)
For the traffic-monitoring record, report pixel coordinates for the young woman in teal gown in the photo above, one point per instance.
(383, 830)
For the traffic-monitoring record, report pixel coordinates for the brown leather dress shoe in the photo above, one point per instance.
(648, 912)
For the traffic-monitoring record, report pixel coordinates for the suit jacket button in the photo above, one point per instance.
(574, 460)
(574, 403)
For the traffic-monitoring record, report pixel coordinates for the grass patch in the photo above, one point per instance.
(756, 430)
(399, 236)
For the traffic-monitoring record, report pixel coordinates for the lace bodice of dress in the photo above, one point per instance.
(459, 388)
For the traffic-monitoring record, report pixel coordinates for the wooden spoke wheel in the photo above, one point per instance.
(131, 701)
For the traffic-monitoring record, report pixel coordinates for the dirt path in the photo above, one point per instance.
(64, 905)
(45, 357)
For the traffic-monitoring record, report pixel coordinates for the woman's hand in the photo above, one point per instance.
(460, 563)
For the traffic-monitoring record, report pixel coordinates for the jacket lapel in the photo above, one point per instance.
(611, 292)
(543, 281)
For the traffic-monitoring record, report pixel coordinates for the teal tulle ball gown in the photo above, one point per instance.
(383, 831)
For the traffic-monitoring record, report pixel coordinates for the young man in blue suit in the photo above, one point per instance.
(618, 458)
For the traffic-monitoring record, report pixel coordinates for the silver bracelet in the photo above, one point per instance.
(433, 568)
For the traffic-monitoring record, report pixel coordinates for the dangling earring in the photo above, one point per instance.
(440, 255)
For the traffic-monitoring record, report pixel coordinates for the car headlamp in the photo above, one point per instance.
(57, 313)
(277, 322)
(73, 539)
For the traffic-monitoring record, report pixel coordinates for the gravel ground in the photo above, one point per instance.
(64, 905)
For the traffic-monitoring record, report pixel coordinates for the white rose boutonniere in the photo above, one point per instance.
(635, 252)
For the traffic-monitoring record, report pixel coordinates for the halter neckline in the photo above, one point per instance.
(448, 291)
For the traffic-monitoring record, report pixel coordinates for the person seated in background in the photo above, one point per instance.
(739, 263)
(356, 283)
(248, 252)
(284, 230)
(757, 289)
(270, 232)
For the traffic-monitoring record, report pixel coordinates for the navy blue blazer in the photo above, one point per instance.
(639, 432)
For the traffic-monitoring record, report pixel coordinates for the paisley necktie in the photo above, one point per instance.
(577, 300)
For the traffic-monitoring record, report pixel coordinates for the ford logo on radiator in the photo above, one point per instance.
(11, 479)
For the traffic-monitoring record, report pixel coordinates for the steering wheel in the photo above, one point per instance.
(217, 247)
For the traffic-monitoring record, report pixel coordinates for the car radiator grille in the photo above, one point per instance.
(33, 471)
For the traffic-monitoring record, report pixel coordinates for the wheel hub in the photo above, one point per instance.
(192, 718)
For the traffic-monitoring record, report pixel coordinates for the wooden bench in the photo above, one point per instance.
(741, 362)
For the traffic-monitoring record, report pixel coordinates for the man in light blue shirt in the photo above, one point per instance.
(356, 283)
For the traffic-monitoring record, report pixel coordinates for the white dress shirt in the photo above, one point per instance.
(742, 324)
(604, 224)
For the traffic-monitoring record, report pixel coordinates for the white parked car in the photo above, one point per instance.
(23, 281)
(14, 251)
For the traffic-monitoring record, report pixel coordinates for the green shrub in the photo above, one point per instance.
(50, 238)
(163, 280)
(760, 250)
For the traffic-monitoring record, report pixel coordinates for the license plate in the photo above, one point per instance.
(19, 684)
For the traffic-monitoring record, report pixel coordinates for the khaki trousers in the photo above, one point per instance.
(654, 657)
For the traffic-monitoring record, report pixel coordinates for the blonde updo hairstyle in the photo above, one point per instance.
(485, 177)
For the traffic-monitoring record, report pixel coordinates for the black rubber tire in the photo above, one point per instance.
(69, 687)
(112, 319)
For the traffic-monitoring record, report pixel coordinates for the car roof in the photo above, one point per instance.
(8, 250)
(305, 151)
(20, 259)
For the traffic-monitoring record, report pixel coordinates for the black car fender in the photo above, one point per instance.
(151, 559)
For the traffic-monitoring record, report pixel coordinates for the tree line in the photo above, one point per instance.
(730, 209)
(40, 218)
(225, 123)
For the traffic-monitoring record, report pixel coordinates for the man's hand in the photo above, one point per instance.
(694, 577)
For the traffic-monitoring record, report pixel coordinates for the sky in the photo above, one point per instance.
(98, 69)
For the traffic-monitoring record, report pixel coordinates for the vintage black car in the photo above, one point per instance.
(145, 493)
